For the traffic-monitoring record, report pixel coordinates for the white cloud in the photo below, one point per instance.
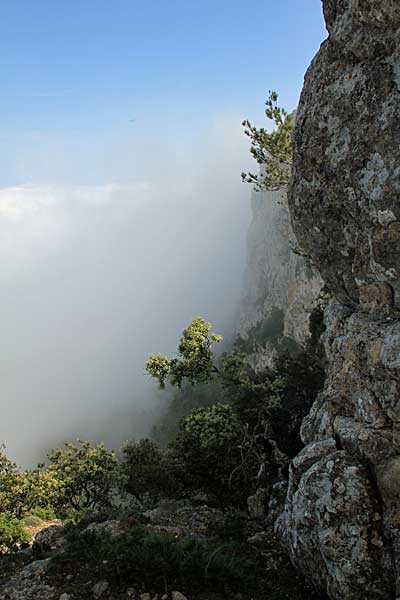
(94, 278)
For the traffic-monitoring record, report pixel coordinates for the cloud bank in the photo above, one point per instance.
(95, 277)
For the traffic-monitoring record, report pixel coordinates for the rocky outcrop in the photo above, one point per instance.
(344, 201)
(342, 514)
(280, 288)
(49, 539)
(30, 583)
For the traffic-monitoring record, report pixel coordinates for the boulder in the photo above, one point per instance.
(99, 588)
(50, 538)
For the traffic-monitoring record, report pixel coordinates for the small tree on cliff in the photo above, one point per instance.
(273, 150)
(196, 364)
(195, 361)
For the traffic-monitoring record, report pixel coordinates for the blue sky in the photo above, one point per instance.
(73, 73)
(113, 233)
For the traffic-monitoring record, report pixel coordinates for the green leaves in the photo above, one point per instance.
(213, 427)
(273, 151)
(195, 361)
(86, 475)
(12, 533)
(147, 470)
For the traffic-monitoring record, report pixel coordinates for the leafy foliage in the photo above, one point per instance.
(195, 361)
(179, 404)
(284, 395)
(87, 476)
(12, 533)
(42, 492)
(78, 477)
(273, 150)
(212, 427)
(21, 492)
(147, 470)
(206, 452)
(11, 486)
(201, 457)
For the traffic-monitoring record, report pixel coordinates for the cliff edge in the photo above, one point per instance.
(341, 521)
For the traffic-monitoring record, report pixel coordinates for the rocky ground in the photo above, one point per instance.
(48, 571)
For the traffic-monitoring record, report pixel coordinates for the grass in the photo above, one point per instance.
(157, 562)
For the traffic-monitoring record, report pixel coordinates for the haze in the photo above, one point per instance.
(122, 213)
(96, 278)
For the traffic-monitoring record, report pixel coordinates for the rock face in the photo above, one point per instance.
(344, 200)
(280, 288)
(342, 515)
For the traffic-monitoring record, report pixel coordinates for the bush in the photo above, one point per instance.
(12, 487)
(45, 514)
(146, 470)
(159, 561)
(304, 377)
(195, 362)
(180, 403)
(207, 457)
(279, 398)
(41, 489)
(86, 476)
(12, 533)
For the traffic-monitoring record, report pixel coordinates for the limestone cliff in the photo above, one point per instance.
(342, 515)
(280, 288)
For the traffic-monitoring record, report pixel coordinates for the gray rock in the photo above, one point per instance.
(344, 195)
(280, 287)
(257, 504)
(184, 519)
(50, 538)
(341, 519)
(333, 527)
(259, 538)
(99, 588)
(29, 584)
(112, 528)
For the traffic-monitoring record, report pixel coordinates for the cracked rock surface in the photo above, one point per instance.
(344, 196)
(341, 521)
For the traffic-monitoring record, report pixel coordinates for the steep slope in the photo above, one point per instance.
(342, 516)
(280, 288)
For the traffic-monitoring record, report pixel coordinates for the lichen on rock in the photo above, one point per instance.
(344, 194)
(341, 521)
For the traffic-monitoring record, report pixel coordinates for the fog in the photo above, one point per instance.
(94, 277)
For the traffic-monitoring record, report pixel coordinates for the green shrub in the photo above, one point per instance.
(31, 521)
(207, 457)
(271, 149)
(12, 486)
(212, 428)
(159, 561)
(23, 492)
(195, 360)
(12, 533)
(86, 475)
(147, 470)
(180, 403)
(43, 513)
